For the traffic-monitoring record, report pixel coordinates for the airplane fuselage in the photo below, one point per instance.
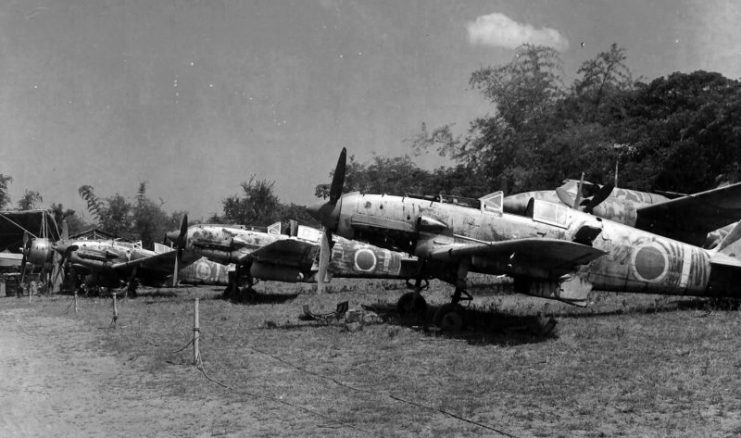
(635, 260)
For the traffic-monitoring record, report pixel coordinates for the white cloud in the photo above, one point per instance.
(499, 30)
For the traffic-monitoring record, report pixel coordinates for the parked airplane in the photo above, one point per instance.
(273, 256)
(103, 263)
(551, 251)
(687, 218)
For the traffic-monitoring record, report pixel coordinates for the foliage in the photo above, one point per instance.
(142, 219)
(4, 197)
(93, 203)
(74, 223)
(29, 200)
(258, 206)
(675, 133)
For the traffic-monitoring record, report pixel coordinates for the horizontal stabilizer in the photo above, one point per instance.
(690, 218)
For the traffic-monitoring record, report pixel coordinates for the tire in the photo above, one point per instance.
(449, 318)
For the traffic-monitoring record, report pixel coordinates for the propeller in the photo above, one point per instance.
(328, 214)
(24, 258)
(64, 249)
(602, 194)
(580, 202)
(179, 243)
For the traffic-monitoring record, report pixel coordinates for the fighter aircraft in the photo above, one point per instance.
(104, 263)
(696, 219)
(551, 251)
(272, 256)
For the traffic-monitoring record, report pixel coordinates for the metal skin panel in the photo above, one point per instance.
(216, 236)
(637, 261)
(204, 271)
(352, 259)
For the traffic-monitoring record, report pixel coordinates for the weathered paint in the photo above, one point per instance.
(636, 261)
(204, 271)
(355, 259)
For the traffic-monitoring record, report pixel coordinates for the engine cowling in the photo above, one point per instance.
(40, 251)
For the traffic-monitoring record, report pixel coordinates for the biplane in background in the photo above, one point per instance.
(700, 219)
(16, 229)
(108, 263)
(271, 255)
(552, 251)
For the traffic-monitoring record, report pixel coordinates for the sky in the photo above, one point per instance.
(195, 97)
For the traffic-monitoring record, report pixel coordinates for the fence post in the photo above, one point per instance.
(75, 301)
(196, 333)
(115, 311)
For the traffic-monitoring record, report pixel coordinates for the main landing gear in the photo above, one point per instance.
(412, 306)
(450, 317)
(233, 290)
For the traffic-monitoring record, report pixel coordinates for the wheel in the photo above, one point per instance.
(411, 304)
(450, 318)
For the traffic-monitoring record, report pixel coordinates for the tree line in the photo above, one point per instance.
(676, 133)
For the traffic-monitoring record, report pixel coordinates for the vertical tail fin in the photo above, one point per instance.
(731, 244)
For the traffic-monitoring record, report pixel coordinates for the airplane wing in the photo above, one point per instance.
(163, 262)
(287, 252)
(690, 218)
(555, 256)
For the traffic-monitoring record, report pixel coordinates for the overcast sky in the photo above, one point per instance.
(194, 97)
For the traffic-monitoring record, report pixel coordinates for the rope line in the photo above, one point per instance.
(389, 395)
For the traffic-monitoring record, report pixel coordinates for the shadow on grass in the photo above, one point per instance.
(481, 327)
(678, 305)
(250, 296)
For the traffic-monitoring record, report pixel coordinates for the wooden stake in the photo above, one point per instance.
(115, 311)
(75, 301)
(196, 333)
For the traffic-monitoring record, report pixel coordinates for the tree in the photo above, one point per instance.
(603, 79)
(116, 217)
(524, 89)
(4, 197)
(29, 200)
(74, 223)
(257, 205)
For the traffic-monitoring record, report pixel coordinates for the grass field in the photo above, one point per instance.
(628, 365)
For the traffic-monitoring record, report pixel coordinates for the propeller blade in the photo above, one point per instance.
(293, 227)
(181, 241)
(177, 268)
(579, 195)
(602, 194)
(179, 244)
(324, 253)
(328, 213)
(60, 269)
(24, 259)
(338, 179)
(65, 230)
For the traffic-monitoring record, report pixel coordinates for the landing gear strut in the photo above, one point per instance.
(233, 291)
(450, 317)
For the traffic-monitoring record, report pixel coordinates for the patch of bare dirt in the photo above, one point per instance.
(57, 381)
